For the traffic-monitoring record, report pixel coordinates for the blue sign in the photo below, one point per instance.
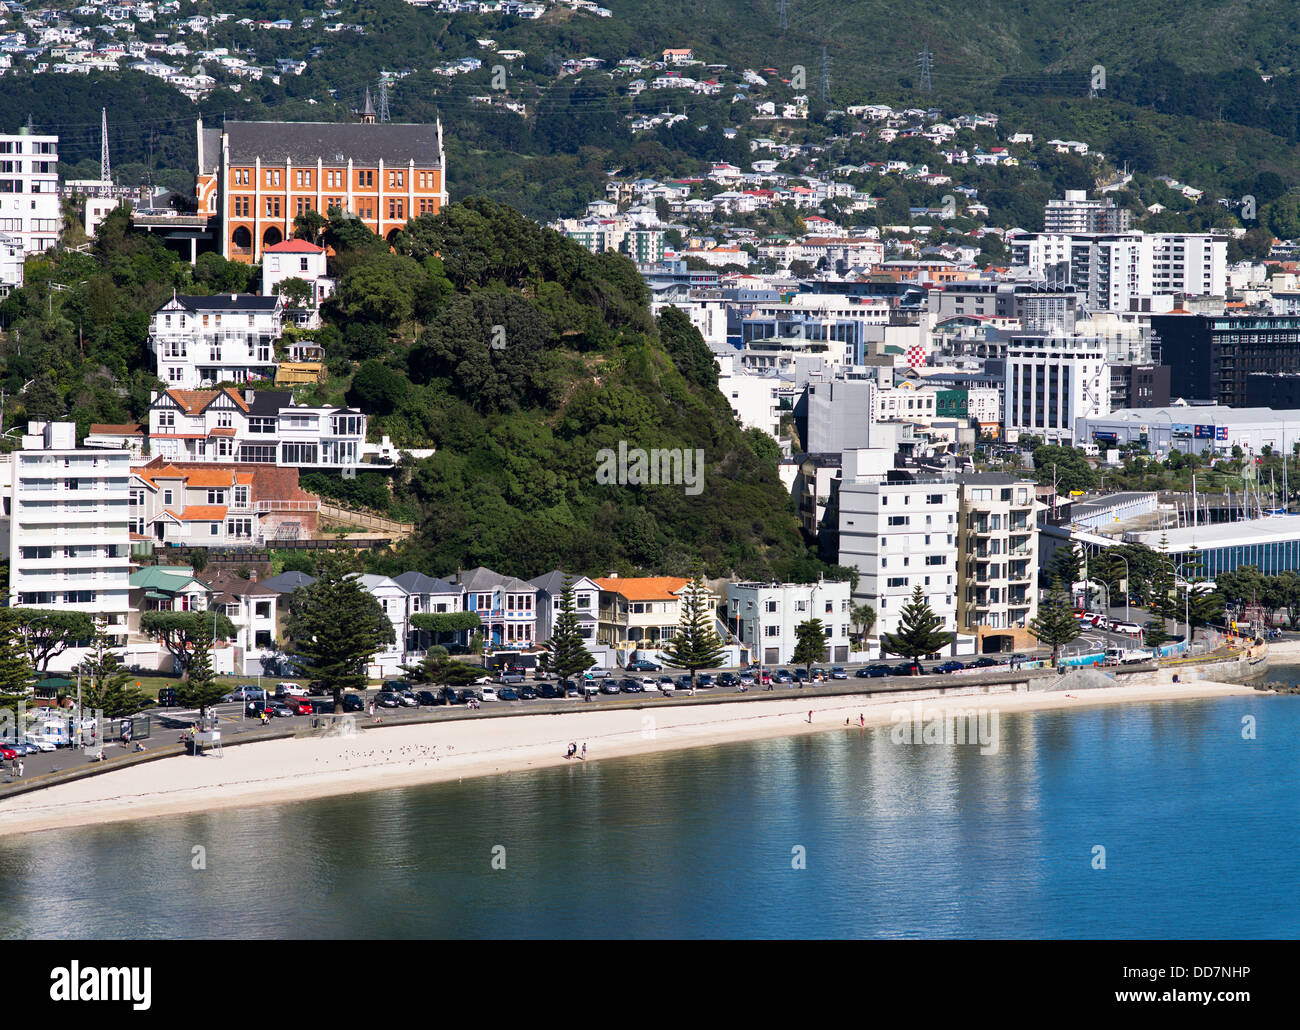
(1205, 432)
(1222, 433)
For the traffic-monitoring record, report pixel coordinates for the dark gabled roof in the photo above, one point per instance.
(288, 582)
(268, 403)
(228, 302)
(553, 582)
(332, 143)
(419, 583)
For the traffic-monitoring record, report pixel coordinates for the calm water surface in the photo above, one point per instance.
(899, 840)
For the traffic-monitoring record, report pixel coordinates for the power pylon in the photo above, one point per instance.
(925, 60)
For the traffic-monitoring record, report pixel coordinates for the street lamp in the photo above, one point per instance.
(1127, 585)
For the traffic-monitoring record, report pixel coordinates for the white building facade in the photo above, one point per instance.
(202, 341)
(67, 537)
(29, 195)
(899, 536)
(766, 617)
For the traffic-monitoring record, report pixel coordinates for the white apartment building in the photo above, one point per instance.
(901, 535)
(1077, 214)
(766, 617)
(67, 537)
(202, 341)
(1052, 380)
(29, 196)
(997, 537)
(754, 399)
(1113, 270)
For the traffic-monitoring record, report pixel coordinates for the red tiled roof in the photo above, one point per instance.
(294, 247)
(116, 429)
(203, 513)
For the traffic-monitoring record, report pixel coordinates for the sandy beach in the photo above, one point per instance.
(402, 755)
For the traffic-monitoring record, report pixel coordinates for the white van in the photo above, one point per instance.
(290, 690)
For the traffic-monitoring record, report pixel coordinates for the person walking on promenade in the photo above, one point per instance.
(20, 768)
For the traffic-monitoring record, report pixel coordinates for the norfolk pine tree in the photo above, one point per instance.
(566, 654)
(1055, 624)
(696, 645)
(337, 626)
(920, 631)
(104, 682)
(810, 645)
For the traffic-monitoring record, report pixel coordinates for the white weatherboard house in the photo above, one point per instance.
(202, 341)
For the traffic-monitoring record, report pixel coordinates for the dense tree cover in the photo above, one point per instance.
(104, 684)
(187, 636)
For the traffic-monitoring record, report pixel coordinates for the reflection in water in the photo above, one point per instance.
(898, 840)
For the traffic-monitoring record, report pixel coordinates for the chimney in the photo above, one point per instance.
(234, 297)
(249, 395)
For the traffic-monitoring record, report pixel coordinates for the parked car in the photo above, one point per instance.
(908, 669)
(507, 694)
(408, 699)
(1131, 628)
(568, 688)
(764, 676)
(704, 680)
(486, 693)
(728, 680)
(631, 687)
(387, 699)
(596, 672)
(610, 687)
(298, 705)
(467, 695)
(42, 745)
(948, 667)
(279, 709)
(983, 662)
(800, 676)
(783, 676)
(550, 690)
(247, 692)
(819, 675)
(428, 698)
(665, 682)
(643, 666)
(874, 671)
(283, 690)
(394, 686)
(747, 678)
(8, 753)
(527, 693)
(838, 673)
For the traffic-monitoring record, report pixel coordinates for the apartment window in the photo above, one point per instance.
(366, 178)
(772, 607)
(395, 208)
(216, 497)
(273, 177)
(304, 265)
(898, 520)
(896, 581)
(273, 207)
(302, 205)
(214, 529)
(166, 419)
(167, 497)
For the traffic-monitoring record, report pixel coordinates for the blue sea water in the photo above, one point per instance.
(837, 834)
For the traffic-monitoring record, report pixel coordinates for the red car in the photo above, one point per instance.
(8, 753)
(299, 705)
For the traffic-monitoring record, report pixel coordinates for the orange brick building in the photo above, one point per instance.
(255, 178)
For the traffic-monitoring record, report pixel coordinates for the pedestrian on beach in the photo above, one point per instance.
(810, 716)
(584, 753)
(862, 720)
